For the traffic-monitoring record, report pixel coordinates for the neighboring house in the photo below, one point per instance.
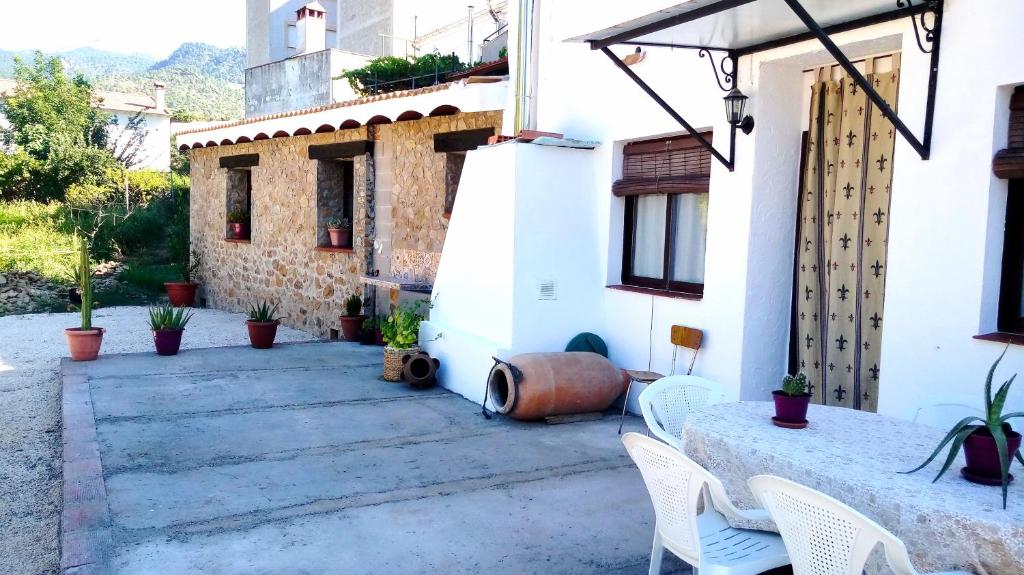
(140, 127)
(649, 229)
(298, 49)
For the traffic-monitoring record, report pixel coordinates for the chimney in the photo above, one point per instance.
(311, 25)
(159, 96)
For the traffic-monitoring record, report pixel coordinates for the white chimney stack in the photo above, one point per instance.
(159, 96)
(311, 26)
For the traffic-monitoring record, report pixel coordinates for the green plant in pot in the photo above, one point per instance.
(368, 333)
(238, 221)
(353, 319)
(990, 444)
(791, 402)
(262, 324)
(168, 324)
(84, 342)
(401, 332)
(183, 293)
(339, 230)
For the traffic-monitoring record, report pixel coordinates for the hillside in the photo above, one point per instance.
(203, 82)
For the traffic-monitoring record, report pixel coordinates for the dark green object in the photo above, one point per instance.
(588, 342)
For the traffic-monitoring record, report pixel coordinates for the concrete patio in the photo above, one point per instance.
(301, 460)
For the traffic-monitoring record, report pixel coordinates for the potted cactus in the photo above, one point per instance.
(262, 325)
(990, 444)
(352, 321)
(168, 324)
(791, 402)
(183, 293)
(401, 332)
(84, 342)
(340, 232)
(238, 221)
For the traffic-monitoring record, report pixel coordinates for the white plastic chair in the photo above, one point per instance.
(666, 403)
(944, 412)
(706, 541)
(825, 536)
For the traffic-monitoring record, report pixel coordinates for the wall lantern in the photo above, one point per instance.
(735, 103)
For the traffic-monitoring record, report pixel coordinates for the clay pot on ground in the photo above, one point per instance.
(419, 370)
(547, 384)
(791, 408)
(351, 326)
(262, 333)
(167, 341)
(983, 456)
(84, 344)
(239, 230)
(393, 361)
(340, 237)
(181, 294)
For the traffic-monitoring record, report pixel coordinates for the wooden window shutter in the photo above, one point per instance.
(678, 165)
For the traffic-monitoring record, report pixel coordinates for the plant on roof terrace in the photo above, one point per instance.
(989, 443)
(391, 74)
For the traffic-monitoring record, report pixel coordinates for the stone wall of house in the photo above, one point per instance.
(281, 263)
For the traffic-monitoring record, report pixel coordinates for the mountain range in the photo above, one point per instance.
(204, 82)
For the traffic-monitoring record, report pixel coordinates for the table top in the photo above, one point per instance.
(856, 457)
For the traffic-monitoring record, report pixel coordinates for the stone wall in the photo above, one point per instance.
(281, 263)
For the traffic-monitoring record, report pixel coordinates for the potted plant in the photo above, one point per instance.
(262, 324)
(340, 232)
(401, 332)
(368, 334)
(84, 342)
(352, 321)
(990, 444)
(378, 332)
(168, 323)
(791, 402)
(238, 220)
(183, 293)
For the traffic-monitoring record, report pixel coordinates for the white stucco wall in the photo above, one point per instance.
(155, 152)
(947, 213)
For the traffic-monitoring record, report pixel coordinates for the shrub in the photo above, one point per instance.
(390, 74)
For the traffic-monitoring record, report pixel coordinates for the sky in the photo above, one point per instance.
(128, 26)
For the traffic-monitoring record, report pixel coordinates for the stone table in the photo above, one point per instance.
(856, 458)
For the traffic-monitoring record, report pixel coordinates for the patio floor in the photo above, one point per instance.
(300, 459)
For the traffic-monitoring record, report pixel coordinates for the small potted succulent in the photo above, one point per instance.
(791, 402)
(401, 332)
(262, 325)
(990, 444)
(183, 293)
(238, 220)
(84, 342)
(340, 232)
(352, 321)
(168, 323)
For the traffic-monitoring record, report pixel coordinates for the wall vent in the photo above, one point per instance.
(546, 290)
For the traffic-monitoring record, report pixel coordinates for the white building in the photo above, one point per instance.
(536, 255)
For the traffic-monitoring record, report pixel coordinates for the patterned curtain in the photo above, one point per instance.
(844, 231)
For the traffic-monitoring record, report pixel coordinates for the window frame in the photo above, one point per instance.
(1011, 285)
(629, 240)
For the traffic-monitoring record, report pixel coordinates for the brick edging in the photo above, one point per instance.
(85, 517)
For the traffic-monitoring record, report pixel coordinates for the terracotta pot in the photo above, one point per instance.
(351, 325)
(262, 333)
(340, 237)
(419, 370)
(181, 294)
(555, 384)
(983, 456)
(84, 345)
(791, 408)
(393, 361)
(167, 341)
(239, 230)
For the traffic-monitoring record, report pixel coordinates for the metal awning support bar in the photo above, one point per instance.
(728, 163)
(922, 147)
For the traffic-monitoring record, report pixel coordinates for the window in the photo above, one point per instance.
(665, 186)
(1011, 292)
(238, 204)
(335, 203)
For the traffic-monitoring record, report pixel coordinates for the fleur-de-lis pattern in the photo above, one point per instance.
(842, 266)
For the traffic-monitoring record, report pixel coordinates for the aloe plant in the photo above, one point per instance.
(85, 284)
(167, 317)
(353, 305)
(995, 422)
(263, 312)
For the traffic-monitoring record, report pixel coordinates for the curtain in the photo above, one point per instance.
(844, 232)
(689, 222)
(649, 245)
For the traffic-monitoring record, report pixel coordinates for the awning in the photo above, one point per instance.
(735, 28)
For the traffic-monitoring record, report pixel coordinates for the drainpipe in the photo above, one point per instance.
(469, 36)
(526, 66)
